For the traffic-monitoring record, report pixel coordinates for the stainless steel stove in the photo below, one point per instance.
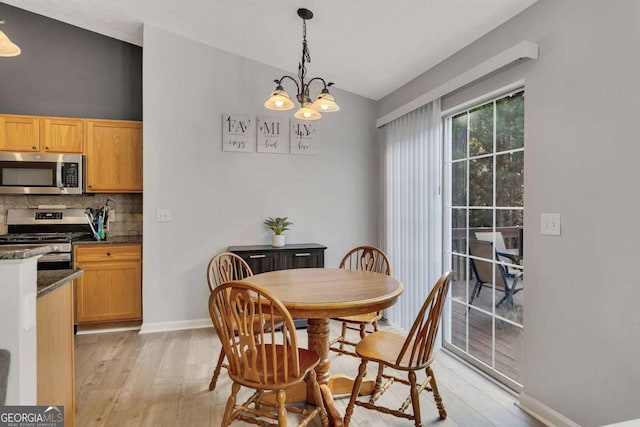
(59, 227)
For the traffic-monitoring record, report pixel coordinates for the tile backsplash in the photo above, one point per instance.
(128, 208)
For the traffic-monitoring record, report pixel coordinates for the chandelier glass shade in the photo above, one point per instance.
(279, 100)
(7, 47)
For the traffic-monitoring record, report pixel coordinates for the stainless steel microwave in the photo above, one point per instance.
(35, 173)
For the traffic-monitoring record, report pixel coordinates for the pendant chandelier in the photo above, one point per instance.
(279, 99)
(7, 47)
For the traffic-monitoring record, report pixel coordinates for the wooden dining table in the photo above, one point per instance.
(320, 294)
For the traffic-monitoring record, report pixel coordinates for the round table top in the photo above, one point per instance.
(318, 293)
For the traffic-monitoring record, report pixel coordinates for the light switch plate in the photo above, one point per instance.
(550, 224)
(163, 215)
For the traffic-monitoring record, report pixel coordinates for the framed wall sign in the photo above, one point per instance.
(272, 135)
(238, 133)
(302, 137)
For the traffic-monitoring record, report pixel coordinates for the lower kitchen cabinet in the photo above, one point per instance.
(55, 351)
(111, 288)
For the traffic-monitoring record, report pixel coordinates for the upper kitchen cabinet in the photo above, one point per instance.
(19, 133)
(113, 156)
(40, 134)
(60, 135)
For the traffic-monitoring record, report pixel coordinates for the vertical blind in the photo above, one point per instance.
(412, 213)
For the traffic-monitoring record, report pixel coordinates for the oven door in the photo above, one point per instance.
(55, 261)
(33, 173)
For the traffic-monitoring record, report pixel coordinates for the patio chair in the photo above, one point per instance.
(406, 354)
(501, 247)
(484, 272)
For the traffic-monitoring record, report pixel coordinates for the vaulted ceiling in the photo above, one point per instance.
(368, 47)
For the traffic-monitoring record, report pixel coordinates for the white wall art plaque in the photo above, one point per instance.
(272, 135)
(302, 132)
(238, 133)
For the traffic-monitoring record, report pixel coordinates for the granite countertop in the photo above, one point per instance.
(49, 280)
(111, 240)
(23, 251)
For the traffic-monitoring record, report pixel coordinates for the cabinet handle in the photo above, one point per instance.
(303, 254)
(108, 253)
(46, 148)
(34, 148)
(257, 256)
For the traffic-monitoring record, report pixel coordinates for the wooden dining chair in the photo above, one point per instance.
(366, 258)
(244, 315)
(222, 268)
(410, 354)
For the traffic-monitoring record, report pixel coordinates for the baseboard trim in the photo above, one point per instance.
(107, 330)
(178, 325)
(542, 412)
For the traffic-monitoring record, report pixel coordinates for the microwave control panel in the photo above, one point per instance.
(70, 175)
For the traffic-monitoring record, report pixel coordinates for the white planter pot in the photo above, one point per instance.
(277, 241)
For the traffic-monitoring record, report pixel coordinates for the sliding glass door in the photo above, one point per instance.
(483, 229)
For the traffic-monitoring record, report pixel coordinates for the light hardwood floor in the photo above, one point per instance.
(161, 379)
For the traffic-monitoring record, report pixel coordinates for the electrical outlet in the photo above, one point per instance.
(163, 215)
(550, 224)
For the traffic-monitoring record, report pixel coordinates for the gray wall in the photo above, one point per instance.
(220, 198)
(582, 323)
(67, 71)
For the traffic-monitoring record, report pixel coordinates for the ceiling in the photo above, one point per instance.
(368, 47)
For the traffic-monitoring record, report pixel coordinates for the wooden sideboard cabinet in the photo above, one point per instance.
(263, 258)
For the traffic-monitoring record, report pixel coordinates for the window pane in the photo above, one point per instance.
(459, 279)
(459, 184)
(459, 230)
(480, 335)
(481, 130)
(510, 179)
(510, 122)
(480, 218)
(509, 349)
(510, 224)
(459, 325)
(459, 137)
(481, 182)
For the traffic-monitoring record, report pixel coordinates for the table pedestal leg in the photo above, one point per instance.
(330, 385)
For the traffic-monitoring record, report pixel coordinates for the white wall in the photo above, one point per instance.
(220, 198)
(582, 322)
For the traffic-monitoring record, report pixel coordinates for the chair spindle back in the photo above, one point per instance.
(246, 317)
(226, 267)
(417, 349)
(366, 258)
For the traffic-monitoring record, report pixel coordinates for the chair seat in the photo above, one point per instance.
(384, 347)
(360, 318)
(309, 359)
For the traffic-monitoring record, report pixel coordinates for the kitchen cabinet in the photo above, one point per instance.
(19, 133)
(113, 156)
(60, 135)
(41, 134)
(55, 361)
(264, 258)
(111, 287)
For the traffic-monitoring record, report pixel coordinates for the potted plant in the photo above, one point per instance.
(279, 226)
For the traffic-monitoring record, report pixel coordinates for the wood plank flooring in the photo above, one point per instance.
(126, 379)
